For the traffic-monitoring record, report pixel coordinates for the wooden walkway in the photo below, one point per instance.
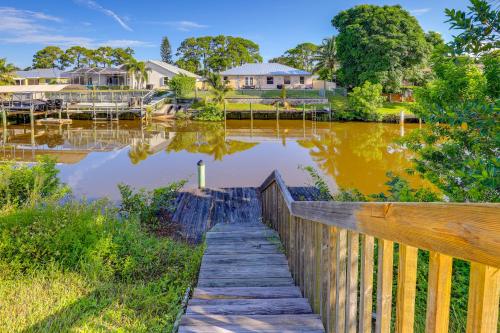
(245, 286)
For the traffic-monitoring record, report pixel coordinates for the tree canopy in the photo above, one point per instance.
(78, 56)
(378, 44)
(166, 51)
(303, 56)
(207, 54)
(6, 72)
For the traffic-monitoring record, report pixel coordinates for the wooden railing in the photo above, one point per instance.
(330, 249)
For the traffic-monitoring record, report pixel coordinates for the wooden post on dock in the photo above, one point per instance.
(251, 112)
(32, 123)
(201, 174)
(402, 123)
(304, 111)
(277, 111)
(4, 122)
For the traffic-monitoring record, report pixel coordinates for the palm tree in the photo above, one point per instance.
(138, 70)
(6, 72)
(327, 61)
(220, 88)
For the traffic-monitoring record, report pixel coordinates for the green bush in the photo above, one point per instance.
(364, 100)
(22, 184)
(211, 112)
(182, 85)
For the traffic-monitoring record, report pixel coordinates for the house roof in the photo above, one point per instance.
(46, 73)
(172, 68)
(264, 69)
(98, 70)
(32, 88)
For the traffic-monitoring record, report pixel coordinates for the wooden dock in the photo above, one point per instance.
(319, 257)
(245, 285)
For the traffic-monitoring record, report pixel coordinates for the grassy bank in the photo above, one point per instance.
(85, 266)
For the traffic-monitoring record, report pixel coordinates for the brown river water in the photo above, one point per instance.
(95, 157)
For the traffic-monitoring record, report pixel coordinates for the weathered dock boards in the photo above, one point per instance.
(199, 210)
(245, 286)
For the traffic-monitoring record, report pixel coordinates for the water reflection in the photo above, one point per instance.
(95, 157)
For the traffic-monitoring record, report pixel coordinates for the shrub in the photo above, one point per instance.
(211, 112)
(21, 184)
(364, 101)
(182, 85)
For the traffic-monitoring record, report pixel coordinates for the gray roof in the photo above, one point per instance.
(264, 69)
(98, 70)
(172, 68)
(45, 73)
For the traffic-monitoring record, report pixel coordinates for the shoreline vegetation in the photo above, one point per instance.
(87, 266)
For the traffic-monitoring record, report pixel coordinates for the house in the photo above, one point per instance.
(159, 73)
(98, 76)
(40, 76)
(267, 76)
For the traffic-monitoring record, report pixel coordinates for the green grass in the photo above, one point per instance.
(79, 267)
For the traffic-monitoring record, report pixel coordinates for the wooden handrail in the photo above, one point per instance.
(326, 241)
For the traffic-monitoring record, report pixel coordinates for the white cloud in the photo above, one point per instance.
(186, 25)
(95, 6)
(126, 43)
(48, 39)
(419, 11)
(23, 21)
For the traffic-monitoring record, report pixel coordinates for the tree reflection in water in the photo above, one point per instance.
(206, 138)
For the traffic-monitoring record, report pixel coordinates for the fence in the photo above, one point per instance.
(330, 249)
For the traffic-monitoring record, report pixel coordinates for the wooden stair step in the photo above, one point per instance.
(249, 306)
(246, 292)
(226, 271)
(247, 324)
(243, 248)
(260, 282)
(242, 234)
(246, 259)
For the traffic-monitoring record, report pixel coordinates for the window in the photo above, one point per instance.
(165, 81)
(302, 80)
(286, 80)
(248, 81)
(270, 80)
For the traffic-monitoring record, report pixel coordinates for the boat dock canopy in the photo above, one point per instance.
(32, 88)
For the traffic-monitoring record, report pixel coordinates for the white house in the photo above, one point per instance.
(267, 76)
(159, 73)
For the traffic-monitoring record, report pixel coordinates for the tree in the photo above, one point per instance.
(480, 28)
(166, 51)
(121, 56)
(326, 59)
(377, 44)
(49, 57)
(457, 150)
(75, 55)
(303, 56)
(182, 85)
(219, 88)
(6, 72)
(364, 101)
(207, 54)
(138, 70)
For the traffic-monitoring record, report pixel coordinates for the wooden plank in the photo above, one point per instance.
(384, 285)
(250, 324)
(439, 227)
(352, 282)
(260, 282)
(332, 279)
(243, 272)
(243, 248)
(407, 278)
(249, 234)
(484, 295)
(249, 306)
(438, 293)
(341, 280)
(247, 292)
(325, 275)
(366, 285)
(246, 259)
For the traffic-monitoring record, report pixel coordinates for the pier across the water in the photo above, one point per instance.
(275, 264)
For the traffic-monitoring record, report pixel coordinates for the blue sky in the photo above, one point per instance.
(29, 25)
